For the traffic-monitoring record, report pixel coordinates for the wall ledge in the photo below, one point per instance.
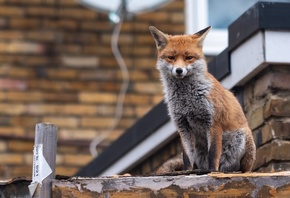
(212, 184)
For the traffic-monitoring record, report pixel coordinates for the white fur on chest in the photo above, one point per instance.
(187, 96)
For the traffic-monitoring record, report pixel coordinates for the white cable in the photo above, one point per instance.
(120, 100)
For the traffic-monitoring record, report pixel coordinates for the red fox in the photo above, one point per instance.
(213, 129)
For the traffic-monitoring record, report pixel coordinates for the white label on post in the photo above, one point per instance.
(41, 168)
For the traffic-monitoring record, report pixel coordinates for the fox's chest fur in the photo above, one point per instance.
(187, 100)
(190, 108)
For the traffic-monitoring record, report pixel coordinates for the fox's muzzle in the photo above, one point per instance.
(179, 72)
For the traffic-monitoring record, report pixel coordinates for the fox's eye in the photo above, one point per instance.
(170, 57)
(189, 57)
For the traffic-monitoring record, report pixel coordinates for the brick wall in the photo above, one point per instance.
(267, 106)
(56, 66)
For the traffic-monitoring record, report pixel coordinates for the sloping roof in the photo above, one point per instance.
(263, 15)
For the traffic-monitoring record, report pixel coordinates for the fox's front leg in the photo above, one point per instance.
(215, 148)
(187, 141)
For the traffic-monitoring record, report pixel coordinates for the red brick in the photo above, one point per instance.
(142, 26)
(24, 121)
(161, 16)
(175, 5)
(68, 3)
(22, 48)
(3, 23)
(96, 26)
(59, 97)
(66, 170)
(43, 109)
(21, 171)
(40, 35)
(167, 27)
(104, 98)
(76, 13)
(33, 60)
(123, 39)
(93, 50)
(73, 148)
(106, 110)
(12, 109)
(281, 81)
(24, 23)
(99, 122)
(3, 146)
(80, 109)
(142, 51)
(58, 109)
(108, 62)
(80, 62)
(17, 96)
(69, 122)
(128, 111)
(11, 35)
(148, 88)
(69, 49)
(16, 72)
(146, 63)
(157, 99)
(136, 75)
(49, 85)
(7, 84)
(11, 159)
(79, 160)
(41, 11)
(145, 39)
(64, 74)
(20, 146)
(25, 2)
(281, 128)
(12, 131)
(77, 134)
(177, 17)
(97, 75)
(256, 117)
(277, 107)
(46, 85)
(64, 24)
(137, 99)
(109, 86)
(11, 11)
(277, 150)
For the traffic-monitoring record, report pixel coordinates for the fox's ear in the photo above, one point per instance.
(200, 35)
(159, 37)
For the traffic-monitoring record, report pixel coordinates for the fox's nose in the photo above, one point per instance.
(179, 70)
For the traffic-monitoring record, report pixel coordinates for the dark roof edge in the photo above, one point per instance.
(262, 15)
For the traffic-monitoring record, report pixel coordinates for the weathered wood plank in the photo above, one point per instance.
(216, 185)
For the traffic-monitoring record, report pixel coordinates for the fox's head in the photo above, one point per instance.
(180, 55)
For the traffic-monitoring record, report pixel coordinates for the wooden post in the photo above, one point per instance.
(44, 156)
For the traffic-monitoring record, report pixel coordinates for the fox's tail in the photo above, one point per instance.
(171, 165)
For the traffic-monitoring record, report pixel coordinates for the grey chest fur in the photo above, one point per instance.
(188, 104)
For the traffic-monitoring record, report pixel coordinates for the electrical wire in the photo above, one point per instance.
(122, 93)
